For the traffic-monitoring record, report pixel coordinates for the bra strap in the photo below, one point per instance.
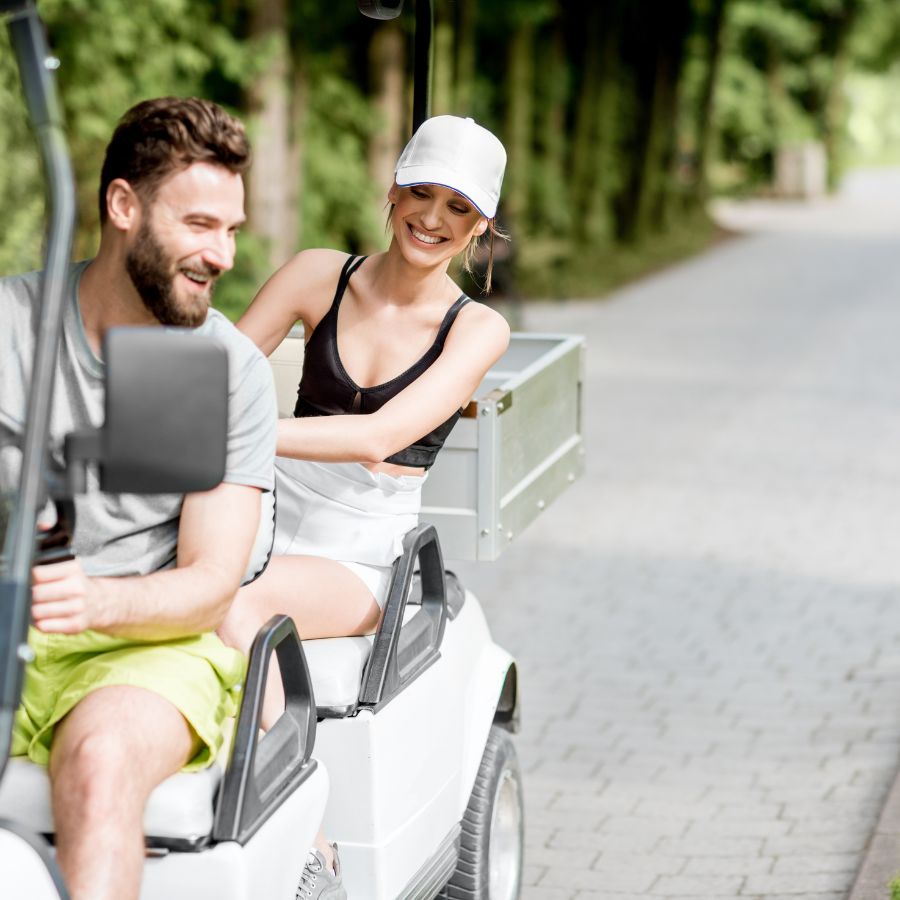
(350, 266)
(450, 318)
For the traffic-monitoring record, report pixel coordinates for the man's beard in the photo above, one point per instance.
(153, 275)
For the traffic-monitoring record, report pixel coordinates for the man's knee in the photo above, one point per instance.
(97, 771)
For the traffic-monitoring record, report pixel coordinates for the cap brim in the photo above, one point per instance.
(480, 199)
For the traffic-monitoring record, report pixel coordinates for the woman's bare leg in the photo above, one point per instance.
(324, 599)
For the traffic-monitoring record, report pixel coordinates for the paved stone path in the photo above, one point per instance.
(708, 625)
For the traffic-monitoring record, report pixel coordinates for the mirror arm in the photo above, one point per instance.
(81, 449)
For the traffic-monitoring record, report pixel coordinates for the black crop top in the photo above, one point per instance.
(327, 390)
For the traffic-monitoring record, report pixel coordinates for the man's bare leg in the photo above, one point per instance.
(108, 755)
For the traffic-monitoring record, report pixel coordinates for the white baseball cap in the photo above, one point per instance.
(456, 153)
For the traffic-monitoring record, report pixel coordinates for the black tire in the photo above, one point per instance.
(494, 823)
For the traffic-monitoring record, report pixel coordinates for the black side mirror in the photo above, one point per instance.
(166, 415)
(380, 9)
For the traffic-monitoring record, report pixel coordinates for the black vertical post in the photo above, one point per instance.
(422, 62)
(36, 67)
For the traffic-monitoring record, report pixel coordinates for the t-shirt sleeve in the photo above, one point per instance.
(252, 421)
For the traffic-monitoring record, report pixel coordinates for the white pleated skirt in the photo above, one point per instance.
(343, 511)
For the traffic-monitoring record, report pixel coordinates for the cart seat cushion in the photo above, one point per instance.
(336, 668)
(180, 809)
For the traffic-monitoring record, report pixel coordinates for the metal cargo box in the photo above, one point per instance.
(518, 446)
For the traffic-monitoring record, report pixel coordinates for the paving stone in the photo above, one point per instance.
(799, 883)
(645, 863)
(561, 860)
(531, 875)
(646, 825)
(536, 892)
(698, 886)
(704, 847)
(812, 863)
(604, 842)
(729, 865)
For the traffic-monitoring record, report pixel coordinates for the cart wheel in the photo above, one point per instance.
(493, 828)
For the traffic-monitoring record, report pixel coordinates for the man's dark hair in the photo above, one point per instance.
(158, 137)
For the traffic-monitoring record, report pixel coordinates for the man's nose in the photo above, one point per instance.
(219, 251)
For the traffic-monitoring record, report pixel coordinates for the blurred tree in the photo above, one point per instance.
(596, 168)
(386, 79)
(713, 34)
(465, 60)
(273, 180)
(619, 116)
(658, 53)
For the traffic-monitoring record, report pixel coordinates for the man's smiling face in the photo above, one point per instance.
(185, 240)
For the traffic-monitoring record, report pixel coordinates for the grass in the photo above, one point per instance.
(560, 271)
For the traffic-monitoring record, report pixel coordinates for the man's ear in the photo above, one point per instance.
(122, 204)
(481, 227)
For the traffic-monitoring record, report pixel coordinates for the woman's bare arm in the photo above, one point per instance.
(476, 341)
(301, 289)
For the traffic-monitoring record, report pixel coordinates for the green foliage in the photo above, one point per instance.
(874, 123)
(875, 42)
(895, 889)
(21, 192)
(555, 269)
(238, 287)
(339, 198)
(612, 117)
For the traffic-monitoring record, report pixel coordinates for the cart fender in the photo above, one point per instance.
(492, 696)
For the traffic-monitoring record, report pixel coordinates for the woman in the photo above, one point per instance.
(394, 350)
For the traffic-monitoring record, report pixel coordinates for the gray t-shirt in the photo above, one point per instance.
(132, 534)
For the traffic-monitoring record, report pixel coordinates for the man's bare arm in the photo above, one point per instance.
(215, 537)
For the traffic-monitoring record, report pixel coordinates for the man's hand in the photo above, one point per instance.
(64, 600)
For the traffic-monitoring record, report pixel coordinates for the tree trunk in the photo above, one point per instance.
(657, 134)
(706, 107)
(466, 12)
(273, 181)
(519, 113)
(297, 147)
(386, 77)
(442, 74)
(833, 112)
(596, 125)
(550, 210)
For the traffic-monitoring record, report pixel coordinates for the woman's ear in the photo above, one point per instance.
(481, 227)
(392, 193)
(122, 204)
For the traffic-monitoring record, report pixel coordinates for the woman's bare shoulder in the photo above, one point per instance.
(316, 267)
(479, 331)
(304, 285)
(480, 316)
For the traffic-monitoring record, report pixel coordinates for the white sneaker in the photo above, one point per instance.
(318, 881)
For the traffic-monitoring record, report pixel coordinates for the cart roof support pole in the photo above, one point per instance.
(36, 72)
(422, 64)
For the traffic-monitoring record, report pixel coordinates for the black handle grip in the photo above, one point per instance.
(399, 652)
(261, 774)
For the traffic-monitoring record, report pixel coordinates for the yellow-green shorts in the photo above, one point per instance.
(199, 675)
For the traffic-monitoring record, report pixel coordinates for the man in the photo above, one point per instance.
(129, 683)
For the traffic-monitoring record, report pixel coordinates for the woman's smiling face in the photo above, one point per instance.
(433, 223)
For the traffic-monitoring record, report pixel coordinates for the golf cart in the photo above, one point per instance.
(398, 745)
